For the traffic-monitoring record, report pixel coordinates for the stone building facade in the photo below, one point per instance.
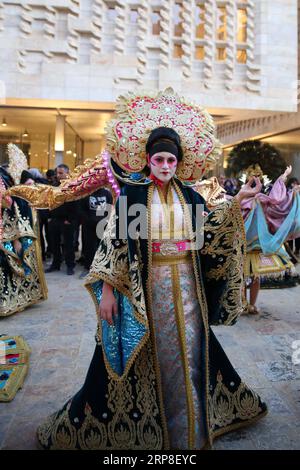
(223, 53)
(239, 58)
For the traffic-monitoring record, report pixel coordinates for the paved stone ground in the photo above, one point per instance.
(61, 330)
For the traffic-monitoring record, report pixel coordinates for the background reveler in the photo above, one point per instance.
(22, 281)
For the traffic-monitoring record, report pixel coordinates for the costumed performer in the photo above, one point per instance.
(22, 281)
(159, 378)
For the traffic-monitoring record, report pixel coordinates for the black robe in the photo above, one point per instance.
(123, 408)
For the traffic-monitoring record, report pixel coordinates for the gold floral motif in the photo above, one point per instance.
(111, 265)
(227, 233)
(92, 434)
(44, 431)
(148, 430)
(121, 429)
(225, 245)
(126, 430)
(15, 226)
(246, 402)
(222, 404)
(15, 263)
(63, 433)
(231, 410)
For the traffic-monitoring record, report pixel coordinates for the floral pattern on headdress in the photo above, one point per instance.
(255, 170)
(139, 113)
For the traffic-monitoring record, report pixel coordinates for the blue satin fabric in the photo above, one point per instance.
(258, 235)
(120, 341)
(26, 244)
(8, 246)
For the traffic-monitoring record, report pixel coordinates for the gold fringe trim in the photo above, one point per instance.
(151, 323)
(179, 315)
(202, 302)
(234, 427)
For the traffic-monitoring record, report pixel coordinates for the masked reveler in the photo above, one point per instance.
(22, 281)
(270, 220)
(158, 379)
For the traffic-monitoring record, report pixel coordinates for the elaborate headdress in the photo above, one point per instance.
(17, 162)
(139, 113)
(263, 158)
(255, 170)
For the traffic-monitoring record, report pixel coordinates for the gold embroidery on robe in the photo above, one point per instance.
(126, 426)
(227, 407)
(20, 291)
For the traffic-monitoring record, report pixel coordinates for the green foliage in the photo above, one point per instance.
(250, 152)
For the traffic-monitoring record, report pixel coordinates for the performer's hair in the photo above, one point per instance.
(165, 134)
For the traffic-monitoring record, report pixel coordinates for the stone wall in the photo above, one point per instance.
(239, 54)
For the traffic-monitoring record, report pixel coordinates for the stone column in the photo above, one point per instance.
(59, 145)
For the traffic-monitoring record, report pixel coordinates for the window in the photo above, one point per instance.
(133, 15)
(177, 51)
(242, 25)
(221, 24)
(178, 29)
(221, 54)
(155, 19)
(199, 53)
(241, 56)
(200, 21)
(111, 14)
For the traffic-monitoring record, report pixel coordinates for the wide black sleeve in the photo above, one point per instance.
(222, 263)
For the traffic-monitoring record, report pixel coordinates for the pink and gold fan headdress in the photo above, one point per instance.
(139, 113)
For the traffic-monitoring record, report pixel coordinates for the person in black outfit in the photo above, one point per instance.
(92, 210)
(62, 223)
(51, 177)
(34, 175)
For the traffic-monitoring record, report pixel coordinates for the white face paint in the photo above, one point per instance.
(163, 166)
